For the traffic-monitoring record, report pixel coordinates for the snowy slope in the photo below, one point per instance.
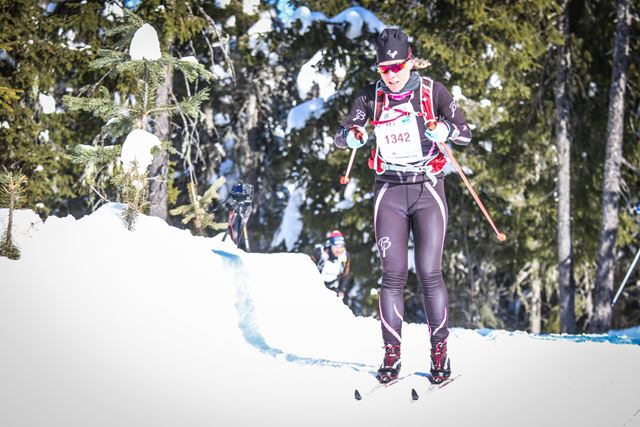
(100, 326)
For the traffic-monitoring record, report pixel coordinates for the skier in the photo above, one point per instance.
(333, 262)
(411, 116)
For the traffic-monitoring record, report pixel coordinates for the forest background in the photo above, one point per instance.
(551, 89)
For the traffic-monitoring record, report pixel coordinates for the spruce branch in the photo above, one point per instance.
(108, 58)
(192, 70)
(101, 106)
(125, 31)
(191, 106)
(85, 154)
(7, 97)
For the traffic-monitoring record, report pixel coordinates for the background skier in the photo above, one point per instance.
(333, 262)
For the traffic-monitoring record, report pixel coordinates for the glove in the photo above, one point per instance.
(439, 133)
(356, 137)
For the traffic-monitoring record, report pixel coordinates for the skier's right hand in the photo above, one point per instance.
(356, 137)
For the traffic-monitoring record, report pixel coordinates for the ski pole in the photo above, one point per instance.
(344, 179)
(626, 277)
(501, 236)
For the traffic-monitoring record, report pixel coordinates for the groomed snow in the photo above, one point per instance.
(104, 327)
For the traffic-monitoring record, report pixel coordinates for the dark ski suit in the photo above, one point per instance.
(409, 201)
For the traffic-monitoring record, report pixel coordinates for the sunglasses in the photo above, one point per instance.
(396, 68)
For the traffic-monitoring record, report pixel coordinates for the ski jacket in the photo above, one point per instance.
(334, 270)
(429, 101)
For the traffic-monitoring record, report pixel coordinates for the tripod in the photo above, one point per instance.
(241, 195)
(237, 225)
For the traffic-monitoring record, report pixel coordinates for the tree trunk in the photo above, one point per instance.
(535, 303)
(601, 320)
(563, 141)
(12, 206)
(158, 171)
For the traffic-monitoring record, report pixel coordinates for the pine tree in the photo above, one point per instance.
(601, 320)
(563, 141)
(11, 196)
(197, 210)
(45, 51)
(148, 66)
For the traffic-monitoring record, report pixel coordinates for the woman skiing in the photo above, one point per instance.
(411, 116)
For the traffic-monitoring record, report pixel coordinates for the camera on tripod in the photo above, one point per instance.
(241, 194)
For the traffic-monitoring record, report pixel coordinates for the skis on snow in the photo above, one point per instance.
(433, 387)
(379, 386)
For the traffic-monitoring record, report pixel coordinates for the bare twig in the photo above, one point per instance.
(227, 58)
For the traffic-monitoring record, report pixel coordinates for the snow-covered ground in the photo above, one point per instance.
(100, 326)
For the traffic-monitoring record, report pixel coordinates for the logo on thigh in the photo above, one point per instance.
(384, 244)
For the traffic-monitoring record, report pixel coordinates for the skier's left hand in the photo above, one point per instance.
(439, 133)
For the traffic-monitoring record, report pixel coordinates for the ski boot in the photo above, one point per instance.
(440, 364)
(390, 368)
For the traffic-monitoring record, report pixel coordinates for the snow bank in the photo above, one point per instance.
(102, 326)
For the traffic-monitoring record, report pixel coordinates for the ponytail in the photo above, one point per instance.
(419, 63)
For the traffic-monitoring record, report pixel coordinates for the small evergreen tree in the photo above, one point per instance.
(12, 196)
(146, 66)
(196, 210)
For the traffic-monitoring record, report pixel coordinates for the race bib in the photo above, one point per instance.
(399, 139)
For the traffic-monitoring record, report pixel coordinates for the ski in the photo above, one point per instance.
(380, 386)
(437, 386)
(433, 386)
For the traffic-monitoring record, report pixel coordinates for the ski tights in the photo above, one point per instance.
(421, 208)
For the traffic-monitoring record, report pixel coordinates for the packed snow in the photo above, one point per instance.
(291, 226)
(101, 326)
(137, 150)
(47, 103)
(356, 19)
(303, 112)
(145, 44)
(310, 76)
